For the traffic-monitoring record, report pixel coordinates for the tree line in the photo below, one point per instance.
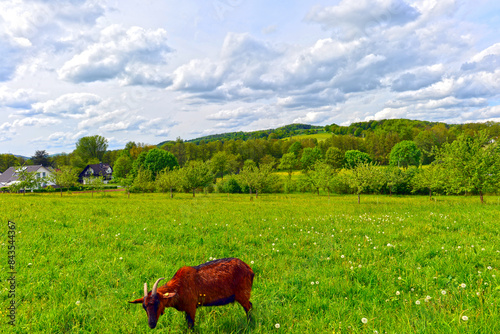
(412, 155)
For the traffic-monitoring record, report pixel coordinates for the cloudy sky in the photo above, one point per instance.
(154, 70)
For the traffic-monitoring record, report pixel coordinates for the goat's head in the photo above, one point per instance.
(155, 303)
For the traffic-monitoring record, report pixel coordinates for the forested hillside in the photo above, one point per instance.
(278, 133)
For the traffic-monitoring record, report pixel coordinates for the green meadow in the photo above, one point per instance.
(322, 264)
(319, 136)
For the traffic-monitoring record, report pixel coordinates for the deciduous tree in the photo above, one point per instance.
(364, 177)
(41, 158)
(353, 158)
(91, 147)
(196, 174)
(405, 154)
(472, 163)
(123, 166)
(288, 162)
(223, 162)
(65, 177)
(157, 160)
(430, 178)
(168, 180)
(309, 157)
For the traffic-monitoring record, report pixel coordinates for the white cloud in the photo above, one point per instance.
(493, 50)
(490, 113)
(29, 28)
(158, 127)
(67, 105)
(354, 19)
(131, 55)
(35, 121)
(107, 117)
(19, 99)
(198, 75)
(238, 113)
(418, 78)
(312, 118)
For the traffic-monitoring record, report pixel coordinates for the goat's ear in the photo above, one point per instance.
(167, 295)
(137, 301)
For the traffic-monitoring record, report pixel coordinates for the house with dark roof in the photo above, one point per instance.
(11, 175)
(96, 170)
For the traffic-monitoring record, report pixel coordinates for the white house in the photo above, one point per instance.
(11, 175)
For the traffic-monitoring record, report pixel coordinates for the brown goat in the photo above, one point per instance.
(214, 283)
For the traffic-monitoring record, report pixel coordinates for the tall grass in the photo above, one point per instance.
(322, 265)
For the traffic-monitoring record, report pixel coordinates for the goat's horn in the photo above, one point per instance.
(145, 290)
(153, 293)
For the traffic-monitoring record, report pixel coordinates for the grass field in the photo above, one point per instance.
(322, 265)
(319, 136)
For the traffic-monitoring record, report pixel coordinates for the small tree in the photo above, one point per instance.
(143, 181)
(222, 162)
(288, 162)
(263, 178)
(327, 175)
(168, 180)
(472, 163)
(65, 177)
(257, 178)
(126, 182)
(429, 178)
(195, 175)
(393, 176)
(365, 176)
(94, 183)
(26, 180)
(248, 175)
(313, 177)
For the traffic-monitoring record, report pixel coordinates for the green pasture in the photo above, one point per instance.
(322, 265)
(319, 136)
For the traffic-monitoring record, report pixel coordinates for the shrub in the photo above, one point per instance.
(228, 185)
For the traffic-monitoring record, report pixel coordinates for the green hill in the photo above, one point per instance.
(278, 133)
